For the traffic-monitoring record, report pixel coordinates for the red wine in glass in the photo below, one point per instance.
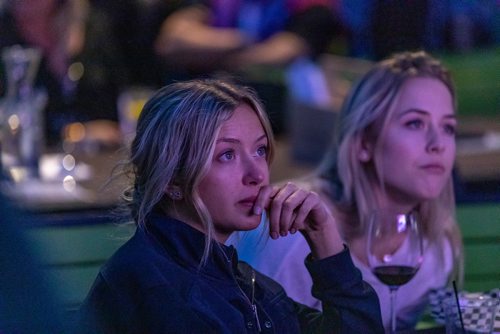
(395, 275)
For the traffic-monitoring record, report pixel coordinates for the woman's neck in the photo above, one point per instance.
(394, 201)
(190, 218)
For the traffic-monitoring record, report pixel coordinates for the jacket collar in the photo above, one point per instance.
(186, 244)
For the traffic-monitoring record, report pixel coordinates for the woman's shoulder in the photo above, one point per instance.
(137, 263)
(440, 250)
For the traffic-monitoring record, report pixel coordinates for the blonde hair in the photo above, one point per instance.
(366, 111)
(175, 138)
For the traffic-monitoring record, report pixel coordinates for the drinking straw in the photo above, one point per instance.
(458, 307)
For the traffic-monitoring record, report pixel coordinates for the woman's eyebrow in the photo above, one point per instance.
(414, 110)
(228, 140)
(423, 112)
(235, 140)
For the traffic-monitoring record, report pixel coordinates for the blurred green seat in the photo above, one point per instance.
(72, 255)
(480, 226)
(475, 75)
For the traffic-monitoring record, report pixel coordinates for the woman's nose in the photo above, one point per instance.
(435, 142)
(255, 171)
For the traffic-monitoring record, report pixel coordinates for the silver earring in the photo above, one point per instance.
(364, 156)
(175, 195)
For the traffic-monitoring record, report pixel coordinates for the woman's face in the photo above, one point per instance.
(239, 169)
(417, 150)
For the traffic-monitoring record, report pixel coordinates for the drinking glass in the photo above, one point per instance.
(21, 114)
(471, 313)
(395, 251)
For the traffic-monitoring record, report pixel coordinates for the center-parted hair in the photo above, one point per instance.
(175, 139)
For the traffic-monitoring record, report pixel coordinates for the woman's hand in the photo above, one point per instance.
(292, 209)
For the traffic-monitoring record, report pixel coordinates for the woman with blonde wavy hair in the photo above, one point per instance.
(200, 166)
(394, 148)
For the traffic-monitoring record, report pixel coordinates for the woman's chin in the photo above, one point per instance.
(251, 224)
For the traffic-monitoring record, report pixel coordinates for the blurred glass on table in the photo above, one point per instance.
(478, 313)
(130, 103)
(21, 114)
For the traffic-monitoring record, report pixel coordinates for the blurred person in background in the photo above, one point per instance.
(376, 29)
(220, 35)
(395, 149)
(271, 45)
(82, 67)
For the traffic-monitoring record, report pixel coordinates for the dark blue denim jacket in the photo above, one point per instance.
(153, 284)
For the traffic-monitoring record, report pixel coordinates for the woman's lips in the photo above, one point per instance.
(434, 169)
(249, 201)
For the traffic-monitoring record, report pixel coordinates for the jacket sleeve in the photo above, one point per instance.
(350, 305)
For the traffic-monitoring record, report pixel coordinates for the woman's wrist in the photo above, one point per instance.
(324, 243)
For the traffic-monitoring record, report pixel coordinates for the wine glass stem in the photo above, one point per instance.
(393, 290)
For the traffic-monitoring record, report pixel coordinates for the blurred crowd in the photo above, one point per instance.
(379, 28)
(95, 49)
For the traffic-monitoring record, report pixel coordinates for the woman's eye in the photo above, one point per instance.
(226, 156)
(450, 129)
(262, 151)
(415, 124)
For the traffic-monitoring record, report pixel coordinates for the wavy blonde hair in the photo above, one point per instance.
(368, 106)
(174, 143)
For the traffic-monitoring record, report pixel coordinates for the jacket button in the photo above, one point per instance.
(249, 324)
(268, 324)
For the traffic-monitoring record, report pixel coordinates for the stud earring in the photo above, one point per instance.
(175, 195)
(363, 156)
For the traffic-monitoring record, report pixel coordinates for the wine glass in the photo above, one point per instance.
(395, 250)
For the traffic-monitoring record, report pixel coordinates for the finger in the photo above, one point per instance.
(275, 208)
(313, 215)
(283, 207)
(304, 211)
(289, 210)
(264, 198)
(293, 229)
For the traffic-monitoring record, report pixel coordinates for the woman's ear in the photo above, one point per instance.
(365, 149)
(174, 192)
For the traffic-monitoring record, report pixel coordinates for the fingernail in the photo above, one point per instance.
(257, 210)
(274, 235)
(293, 230)
(283, 233)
